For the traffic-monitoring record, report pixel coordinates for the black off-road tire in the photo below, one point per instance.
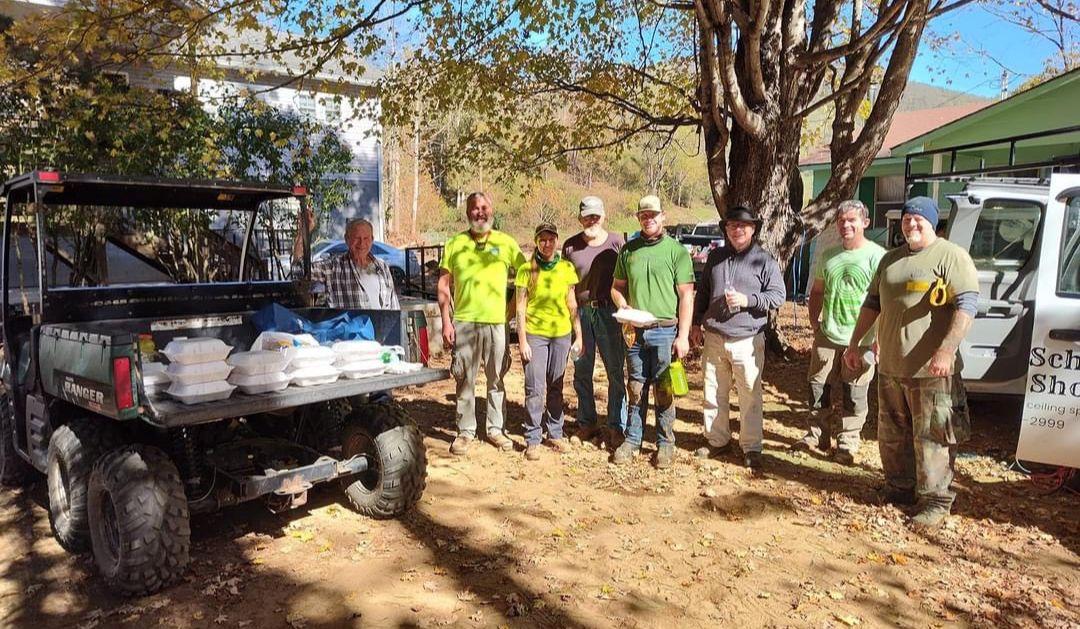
(324, 422)
(73, 450)
(138, 520)
(14, 470)
(397, 472)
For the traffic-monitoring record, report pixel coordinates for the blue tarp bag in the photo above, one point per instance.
(343, 327)
(278, 318)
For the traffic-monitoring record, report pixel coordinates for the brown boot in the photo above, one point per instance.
(559, 445)
(532, 452)
(501, 441)
(461, 445)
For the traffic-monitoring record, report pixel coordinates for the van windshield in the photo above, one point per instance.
(1004, 236)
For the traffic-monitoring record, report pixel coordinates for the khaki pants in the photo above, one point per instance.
(474, 344)
(737, 362)
(827, 370)
(920, 422)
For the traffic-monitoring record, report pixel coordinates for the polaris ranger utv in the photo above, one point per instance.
(96, 270)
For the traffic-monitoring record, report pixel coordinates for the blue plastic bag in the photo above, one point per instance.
(343, 327)
(278, 318)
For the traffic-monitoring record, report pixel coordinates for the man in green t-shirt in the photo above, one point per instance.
(475, 266)
(840, 284)
(923, 298)
(653, 273)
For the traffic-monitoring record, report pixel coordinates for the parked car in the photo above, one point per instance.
(401, 265)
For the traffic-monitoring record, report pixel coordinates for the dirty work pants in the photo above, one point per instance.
(477, 343)
(646, 361)
(920, 422)
(727, 361)
(827, 370)
(600, 332)
(544, 387)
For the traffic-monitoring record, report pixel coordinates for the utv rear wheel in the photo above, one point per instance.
(397, 462)
(138, 520)
(14, 471)
(73, 450)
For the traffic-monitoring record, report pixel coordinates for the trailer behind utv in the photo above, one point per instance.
(124, 467)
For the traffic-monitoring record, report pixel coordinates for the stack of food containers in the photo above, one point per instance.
(312, 365)
(154, 377)
(197, 369)
(260, 371)
(359, 359)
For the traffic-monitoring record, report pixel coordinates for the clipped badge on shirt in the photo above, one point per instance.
(494, 250)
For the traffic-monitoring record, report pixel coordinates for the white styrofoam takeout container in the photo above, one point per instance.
(197, 373)
(188, 351)
(253, 384)
(201, 392)
(258, 362)
(311, 376)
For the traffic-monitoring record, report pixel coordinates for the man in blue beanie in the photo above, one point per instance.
(923, 298)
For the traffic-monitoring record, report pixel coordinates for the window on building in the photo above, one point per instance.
(1005, 234)
(331, 111)
(305, 104)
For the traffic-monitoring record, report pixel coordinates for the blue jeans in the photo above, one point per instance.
(600, 331)
(647, 360)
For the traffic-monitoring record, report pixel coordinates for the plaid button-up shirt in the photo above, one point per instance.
(350, 287)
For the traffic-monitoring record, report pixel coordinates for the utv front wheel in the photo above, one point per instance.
(14, 471)
(138, 520)
(397, 462)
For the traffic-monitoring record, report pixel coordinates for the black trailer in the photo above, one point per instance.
(126, 466)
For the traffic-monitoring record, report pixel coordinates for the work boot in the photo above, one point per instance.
(900, 497)
(587, 433)
(929, 519)
(461, 445)
(844, 457)
(532, 452)
(501, 441)
(613, 437)
(559, 445)
(665, 456)
(712, 452)
(625, 453)
(753, 461)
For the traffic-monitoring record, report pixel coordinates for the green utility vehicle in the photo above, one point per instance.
(98, 272)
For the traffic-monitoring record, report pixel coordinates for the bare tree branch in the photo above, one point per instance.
(736, 104)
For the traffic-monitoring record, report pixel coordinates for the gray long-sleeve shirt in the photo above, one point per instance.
(752, 272)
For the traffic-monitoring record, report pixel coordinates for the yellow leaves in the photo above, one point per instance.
(558, 533)
(817, 500)
(606, 592)
(302, 535)
(898, 559)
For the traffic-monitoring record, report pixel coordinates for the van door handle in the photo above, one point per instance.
(1065, 334)
(999, 307)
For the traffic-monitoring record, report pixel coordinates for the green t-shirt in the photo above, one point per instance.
(652, 271)
(546, 312)
(846, 274)
(909, 328)
(480, 273)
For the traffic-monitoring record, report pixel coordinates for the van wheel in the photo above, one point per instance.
(73, 450)
(139, 523)
(397, 462)
(14, 470)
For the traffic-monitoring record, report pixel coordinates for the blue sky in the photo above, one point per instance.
(970, 63)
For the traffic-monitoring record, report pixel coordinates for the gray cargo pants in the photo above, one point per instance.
(920, 422)
(827, 370)
(477, 343)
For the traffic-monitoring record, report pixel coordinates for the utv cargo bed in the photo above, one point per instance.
(161, 410)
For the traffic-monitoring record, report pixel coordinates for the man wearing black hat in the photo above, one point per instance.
(923, 298)
(739, 285)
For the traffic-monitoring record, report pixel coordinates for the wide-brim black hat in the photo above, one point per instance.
(741, 213)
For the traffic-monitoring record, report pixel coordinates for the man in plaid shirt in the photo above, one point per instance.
(356, 279)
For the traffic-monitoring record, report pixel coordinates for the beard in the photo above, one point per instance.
(914, 238)
(593, 231)
(480, 227)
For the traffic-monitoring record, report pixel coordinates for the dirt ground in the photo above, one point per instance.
(573, 541)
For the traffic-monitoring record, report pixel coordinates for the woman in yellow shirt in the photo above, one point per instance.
(546, 316)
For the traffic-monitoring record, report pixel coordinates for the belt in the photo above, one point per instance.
(662, 323)
(598, 303)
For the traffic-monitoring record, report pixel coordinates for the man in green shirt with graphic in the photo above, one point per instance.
(923, 297)
(653, 273)
(473, 283)
(840, 284)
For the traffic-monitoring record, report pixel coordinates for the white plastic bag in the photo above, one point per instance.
(253, 384)
(259, 361)
(190, 351)
(202, 392)
(198, 373)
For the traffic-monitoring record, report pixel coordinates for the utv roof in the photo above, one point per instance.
(84, 189)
